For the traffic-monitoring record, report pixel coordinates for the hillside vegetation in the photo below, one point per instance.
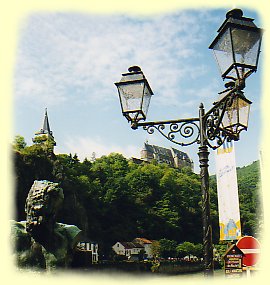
(112, 199)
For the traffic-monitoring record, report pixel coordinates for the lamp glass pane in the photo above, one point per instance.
(244, 108)
(223, 51)
(246, 46)
(236, 116)
(146, 99)
(230, 116)
(131, 96)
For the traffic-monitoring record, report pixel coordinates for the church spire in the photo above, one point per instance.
(46, 126)
(45, 130)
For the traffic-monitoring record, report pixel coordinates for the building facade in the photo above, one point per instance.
(129, 249)
(91, 247)
(147, 244)
(171, 156)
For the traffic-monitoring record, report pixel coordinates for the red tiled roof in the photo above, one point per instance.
(144, 240)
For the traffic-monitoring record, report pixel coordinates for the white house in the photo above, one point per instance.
(147, 244)
(128, 249)
(89, 246)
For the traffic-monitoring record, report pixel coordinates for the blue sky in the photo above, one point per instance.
(68, 63)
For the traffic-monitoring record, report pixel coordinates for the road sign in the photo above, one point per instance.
(251, 249)
(233, 260)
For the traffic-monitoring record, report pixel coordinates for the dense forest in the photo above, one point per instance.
(113, 199)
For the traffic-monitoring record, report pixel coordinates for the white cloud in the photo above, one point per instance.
(62, 55)
(86, 146)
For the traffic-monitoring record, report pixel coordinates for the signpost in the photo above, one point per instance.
(233, 259)
(250, 246)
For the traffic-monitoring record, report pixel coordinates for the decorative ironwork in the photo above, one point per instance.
(180, 132)
(185, 132)
(212, 129)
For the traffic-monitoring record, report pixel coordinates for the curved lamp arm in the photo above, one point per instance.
(207, 128)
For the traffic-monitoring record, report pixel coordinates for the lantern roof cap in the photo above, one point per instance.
(134, 68)
(235, 13)
(135, 75)
(235, 17)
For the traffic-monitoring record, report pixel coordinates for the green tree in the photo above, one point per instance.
(46, 142)
(155, 249)
(186, 248)
(167, 248)
(113, 199)
(249, 196)
(31, 163)
(198, 250)
(19, 143)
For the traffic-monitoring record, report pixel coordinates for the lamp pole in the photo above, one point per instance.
(206, 218)
(238, 38)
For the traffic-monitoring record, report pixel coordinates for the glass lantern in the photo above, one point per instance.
(236, 115)
(134, 94)
(237, 46)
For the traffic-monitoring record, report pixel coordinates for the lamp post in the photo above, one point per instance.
(236, 49)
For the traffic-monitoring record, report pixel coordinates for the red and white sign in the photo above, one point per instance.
(251, 249)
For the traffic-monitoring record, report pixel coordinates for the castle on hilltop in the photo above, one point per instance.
(171, 156)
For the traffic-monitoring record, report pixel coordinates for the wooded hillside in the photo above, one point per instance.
(112, 199)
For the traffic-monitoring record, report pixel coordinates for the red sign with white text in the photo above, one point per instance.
(250, 246)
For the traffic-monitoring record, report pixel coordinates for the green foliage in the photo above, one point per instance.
(155, 249)
(185, 248)
(46, 142)
(167, 248)
(198, 250)
(113, 199)
(188, 248)
(249, 197)
(19, 143)
(40, 139)
(220, 249)
(30, 163)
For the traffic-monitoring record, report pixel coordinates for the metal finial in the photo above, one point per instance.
(134, 68)
(234, 13)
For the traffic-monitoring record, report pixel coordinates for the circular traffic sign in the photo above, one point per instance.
(250, 246)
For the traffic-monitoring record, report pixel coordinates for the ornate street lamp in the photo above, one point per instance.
(237, 50)
(135, 94)
(237, 46)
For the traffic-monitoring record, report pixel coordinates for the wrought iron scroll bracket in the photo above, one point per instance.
(185, 132)
(182, 132)
(214, 134)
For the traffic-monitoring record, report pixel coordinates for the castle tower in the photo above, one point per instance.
(44, 134)
(146, 154)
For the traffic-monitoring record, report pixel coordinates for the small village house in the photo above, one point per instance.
(147, 244)
(131, 250)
